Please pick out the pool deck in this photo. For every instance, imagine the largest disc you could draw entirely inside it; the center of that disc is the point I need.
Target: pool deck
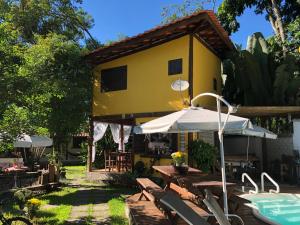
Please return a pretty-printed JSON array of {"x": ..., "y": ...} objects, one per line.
[{"x": 245, "y": 212}]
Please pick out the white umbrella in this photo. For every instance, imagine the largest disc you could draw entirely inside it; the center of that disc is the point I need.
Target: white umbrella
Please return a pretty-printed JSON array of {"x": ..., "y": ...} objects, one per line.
[
  {"x": 256, "y": 131},
  {"x": 35, "y": 141},
  {"x": 37, "y": 144},
  {"x": 196, "y": 119},
  {"x": 193, "y": 119}
]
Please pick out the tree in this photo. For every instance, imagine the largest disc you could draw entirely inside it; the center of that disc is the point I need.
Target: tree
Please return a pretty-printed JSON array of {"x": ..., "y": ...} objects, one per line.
[
  {"x": 279, "y": 13},
  {"x": 255, "y": 78},
  {"x": 43, "y": 77},
  {"x": 45, "y": 16},
  {"x": 60, "y": 85},
  {"x": 187, "y": 7}
]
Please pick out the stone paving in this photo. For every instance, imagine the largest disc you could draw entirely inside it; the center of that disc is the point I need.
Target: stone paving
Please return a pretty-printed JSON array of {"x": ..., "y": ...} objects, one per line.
[{"x": 90, "y": 205}]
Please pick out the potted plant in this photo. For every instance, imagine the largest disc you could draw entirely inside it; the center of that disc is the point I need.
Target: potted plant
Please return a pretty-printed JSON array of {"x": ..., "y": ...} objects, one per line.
[
  {"x": 179, "y": 162},
  {"x": 33, "y": 206},
  {"x": 53, "y": 166},
  {"x": 62, "y": 173}
]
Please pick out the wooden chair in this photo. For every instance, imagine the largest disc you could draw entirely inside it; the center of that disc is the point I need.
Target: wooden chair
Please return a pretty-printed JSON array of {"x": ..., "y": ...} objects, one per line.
[
  {"x": 125, "y": 161},
  {"x": 110, "y": 161}
]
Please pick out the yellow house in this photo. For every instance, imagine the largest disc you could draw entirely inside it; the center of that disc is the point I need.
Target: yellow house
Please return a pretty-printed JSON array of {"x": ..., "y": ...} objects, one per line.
[{"x": 133, "y": 77}]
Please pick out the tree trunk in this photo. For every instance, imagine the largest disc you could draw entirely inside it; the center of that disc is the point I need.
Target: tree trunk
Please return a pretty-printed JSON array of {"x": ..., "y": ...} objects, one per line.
[{"x": 278, "y": 24}]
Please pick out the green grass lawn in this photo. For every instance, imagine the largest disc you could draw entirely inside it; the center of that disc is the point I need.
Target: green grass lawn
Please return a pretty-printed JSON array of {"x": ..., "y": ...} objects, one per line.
[
  {"x": 56, "y": 206},
  {"x": 75, "y": 172}
]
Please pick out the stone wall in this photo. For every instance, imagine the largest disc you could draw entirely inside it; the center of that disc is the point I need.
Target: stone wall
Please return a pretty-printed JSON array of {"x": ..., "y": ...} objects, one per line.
[
  {"x": 207, "y": 136},
  {"x": 279, "y": 146},
  {"x": 237, "y": 145}
]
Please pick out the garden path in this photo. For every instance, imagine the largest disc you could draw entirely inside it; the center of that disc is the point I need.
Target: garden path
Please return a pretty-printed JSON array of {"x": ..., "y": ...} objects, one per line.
[{"x": 90, "y": 204}]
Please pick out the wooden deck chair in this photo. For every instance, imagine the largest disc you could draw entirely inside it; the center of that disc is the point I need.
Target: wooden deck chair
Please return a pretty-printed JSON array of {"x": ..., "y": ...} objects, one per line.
[
  {"x": 175, "y": 203},
  {"x": 216, "y": 210}
]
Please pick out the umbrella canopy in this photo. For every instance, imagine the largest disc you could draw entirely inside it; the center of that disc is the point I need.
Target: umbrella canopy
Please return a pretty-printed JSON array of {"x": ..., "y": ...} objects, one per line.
[
  {"x": 256, "y": 131},
  {"x": 193, "y": 119},
  {"x": 35, "y": 141}
]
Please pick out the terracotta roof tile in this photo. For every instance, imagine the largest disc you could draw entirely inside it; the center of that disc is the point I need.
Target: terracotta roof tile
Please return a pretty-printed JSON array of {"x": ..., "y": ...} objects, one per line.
[{"x": 133, "y": 44}]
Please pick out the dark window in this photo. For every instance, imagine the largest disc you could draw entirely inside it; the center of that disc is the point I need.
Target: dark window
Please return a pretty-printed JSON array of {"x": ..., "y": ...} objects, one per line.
[
  {"x": 215, "y": 84},
  {"x": 175, "y": 66},
  {"x": 77, "y": 141},
  {"x": 139, "y": 143},
  {"x": 114, "y": 79}
]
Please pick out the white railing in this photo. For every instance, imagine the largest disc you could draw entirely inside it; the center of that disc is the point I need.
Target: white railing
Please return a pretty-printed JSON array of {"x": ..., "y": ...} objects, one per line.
[
  {"x": 264, "y": 174},
  {"x": 251, "y": 181}
]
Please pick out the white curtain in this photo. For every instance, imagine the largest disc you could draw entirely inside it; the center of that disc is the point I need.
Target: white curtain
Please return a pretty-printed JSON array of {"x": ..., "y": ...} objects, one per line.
[
  {"x": 115, "y": 130},
  {"x": 99, "y": 131}
]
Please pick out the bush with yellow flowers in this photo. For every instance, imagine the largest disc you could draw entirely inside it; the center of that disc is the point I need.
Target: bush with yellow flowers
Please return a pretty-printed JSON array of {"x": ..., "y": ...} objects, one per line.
[
  {"x": 33, "y": 206},
  {"x": 178, "y": 158}
]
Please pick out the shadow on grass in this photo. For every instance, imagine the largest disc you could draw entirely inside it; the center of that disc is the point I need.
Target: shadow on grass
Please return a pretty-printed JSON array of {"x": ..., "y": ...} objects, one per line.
[
  {"x": 45, "y": 218},
  {"x": 119, "y": 220},
  {"x": 87, "y": 196},
  {"x": 88, "y": 220}
]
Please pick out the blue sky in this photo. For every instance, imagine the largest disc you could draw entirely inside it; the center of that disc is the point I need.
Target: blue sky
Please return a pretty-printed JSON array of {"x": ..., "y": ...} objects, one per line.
[{"x": 131, "y": 17}]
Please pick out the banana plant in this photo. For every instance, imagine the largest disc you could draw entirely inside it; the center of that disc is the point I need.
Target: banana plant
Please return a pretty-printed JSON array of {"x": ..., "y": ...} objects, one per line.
[{"x": 253, "y": 78}]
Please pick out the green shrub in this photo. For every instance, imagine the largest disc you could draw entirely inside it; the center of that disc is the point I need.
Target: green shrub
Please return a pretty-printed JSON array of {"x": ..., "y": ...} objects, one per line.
[
  {"x": 21, "y": 196},
  {"x": 203, "y": 154},
  {"x": 139, "y": 168}
]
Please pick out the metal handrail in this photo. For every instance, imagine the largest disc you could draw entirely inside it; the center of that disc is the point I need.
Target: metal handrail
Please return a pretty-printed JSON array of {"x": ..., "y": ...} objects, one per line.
[
  {"x": 272, "y": 181},
  {"x": 251, "y": 181}
]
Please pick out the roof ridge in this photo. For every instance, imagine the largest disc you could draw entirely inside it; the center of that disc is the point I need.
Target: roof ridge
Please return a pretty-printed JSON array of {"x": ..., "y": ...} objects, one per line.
[
  {"x": 155, "y": 28},
  {"x": 211, "y": 17}
]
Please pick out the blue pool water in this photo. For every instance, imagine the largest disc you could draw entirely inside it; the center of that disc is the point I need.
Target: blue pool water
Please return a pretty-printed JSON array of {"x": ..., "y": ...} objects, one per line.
[{"x": 280, "y": 208}]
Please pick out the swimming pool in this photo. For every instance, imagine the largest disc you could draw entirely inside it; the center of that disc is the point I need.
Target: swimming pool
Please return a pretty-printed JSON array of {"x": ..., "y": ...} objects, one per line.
[{"x": 283, "y": 209}]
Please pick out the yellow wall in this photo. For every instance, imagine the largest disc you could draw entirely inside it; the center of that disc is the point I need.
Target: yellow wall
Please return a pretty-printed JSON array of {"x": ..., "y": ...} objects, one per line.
[
  {"x": 148, "y": 82},
  {"x": 206, "y": 67}
]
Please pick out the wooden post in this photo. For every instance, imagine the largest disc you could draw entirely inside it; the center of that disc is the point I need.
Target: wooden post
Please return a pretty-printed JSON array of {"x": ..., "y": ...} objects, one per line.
[
  {"x": 190, "y": 140},
  {"x": 264, "y": 155},
  {"x": 122, "y": 137},
  {"x": 90, "y": 145},
  {"x": 191, "y": 67}
]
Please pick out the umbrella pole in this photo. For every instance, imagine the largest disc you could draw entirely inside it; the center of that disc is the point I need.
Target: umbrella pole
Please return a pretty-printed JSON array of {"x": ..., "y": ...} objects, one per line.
[{"x": 220, "y": 133}]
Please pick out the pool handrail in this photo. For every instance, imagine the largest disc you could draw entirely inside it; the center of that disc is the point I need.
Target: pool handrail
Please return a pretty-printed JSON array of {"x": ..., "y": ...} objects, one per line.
[
  {"x": 251, "y": 181},
  {"x": 264, "y": 174}
]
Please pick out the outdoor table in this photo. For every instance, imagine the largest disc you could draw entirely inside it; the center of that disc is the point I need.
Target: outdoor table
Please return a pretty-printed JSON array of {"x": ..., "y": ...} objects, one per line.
[
  {"x": 14, "y": 171},
  {"x": 195, "y": 181},
  {"x": 169, "y": 174}
]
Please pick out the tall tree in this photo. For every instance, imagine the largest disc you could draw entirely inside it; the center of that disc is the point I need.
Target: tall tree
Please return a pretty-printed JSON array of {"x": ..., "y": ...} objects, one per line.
[
  {"x": 45, "y": 16},
  {"x": 187, "y": 7},
  {"x": 42, "y": 75},
  {"x": 279, "y": 13}
]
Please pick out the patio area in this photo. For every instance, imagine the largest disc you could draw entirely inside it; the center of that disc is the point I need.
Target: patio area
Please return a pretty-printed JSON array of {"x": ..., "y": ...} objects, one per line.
[{"x": 148, "y": 206}]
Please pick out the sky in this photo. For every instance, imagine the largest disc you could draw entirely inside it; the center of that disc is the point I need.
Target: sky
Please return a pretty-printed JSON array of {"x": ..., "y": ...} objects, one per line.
[{"x": 114, "y": 18}]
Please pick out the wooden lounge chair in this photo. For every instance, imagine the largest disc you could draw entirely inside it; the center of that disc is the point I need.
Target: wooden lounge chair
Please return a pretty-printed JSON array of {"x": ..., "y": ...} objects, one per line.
[
  {"x": 175, "y": 203},
  {"x": 216, "y": 210}
]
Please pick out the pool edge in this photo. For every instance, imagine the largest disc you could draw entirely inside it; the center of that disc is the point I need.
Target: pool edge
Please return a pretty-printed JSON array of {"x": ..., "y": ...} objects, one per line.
[
  {"x": 263, "y": 218},
  {"x": 256, "y": 212}
]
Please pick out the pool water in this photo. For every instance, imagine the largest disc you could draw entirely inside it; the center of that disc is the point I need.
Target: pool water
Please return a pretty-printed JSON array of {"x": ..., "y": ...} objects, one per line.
[{"x": 280, "y": 208}]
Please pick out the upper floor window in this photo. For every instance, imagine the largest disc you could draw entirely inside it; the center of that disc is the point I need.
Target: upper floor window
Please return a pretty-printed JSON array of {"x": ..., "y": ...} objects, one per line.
[
  {"x": 215, "y": 84},
  {"x": 114, "y": 79},
  {"x": 175, "y": 66}
]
